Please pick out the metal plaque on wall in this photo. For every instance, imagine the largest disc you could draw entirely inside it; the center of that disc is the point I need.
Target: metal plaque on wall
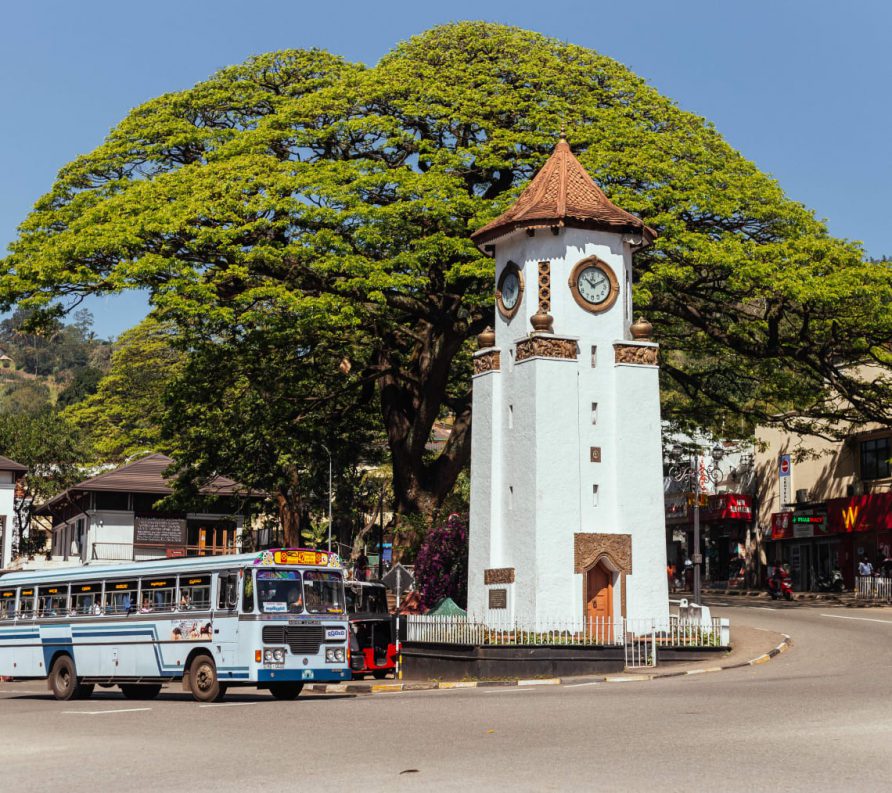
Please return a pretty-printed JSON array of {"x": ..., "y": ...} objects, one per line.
[{"x": 498, "y": 598}]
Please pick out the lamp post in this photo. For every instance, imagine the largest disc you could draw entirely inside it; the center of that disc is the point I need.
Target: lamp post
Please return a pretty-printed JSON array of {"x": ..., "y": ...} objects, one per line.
[
  {"x": 689, "y": 475},
  {"x": 329, "y": 495}
]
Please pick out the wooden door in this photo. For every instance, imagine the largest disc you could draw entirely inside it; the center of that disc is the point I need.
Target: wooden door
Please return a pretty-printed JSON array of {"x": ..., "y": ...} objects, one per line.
[{"x": 599, "y": 601}]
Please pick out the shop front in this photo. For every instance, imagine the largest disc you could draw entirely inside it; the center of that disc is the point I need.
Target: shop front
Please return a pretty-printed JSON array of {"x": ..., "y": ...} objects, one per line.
[
  {"x": 801, "y": 540},
  {"x": 725, "y": 520},
  {"x": 863, "y": 527}
]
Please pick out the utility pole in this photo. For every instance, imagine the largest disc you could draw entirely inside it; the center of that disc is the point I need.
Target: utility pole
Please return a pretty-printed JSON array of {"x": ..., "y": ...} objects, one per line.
[{"x": 381, "y": 535}]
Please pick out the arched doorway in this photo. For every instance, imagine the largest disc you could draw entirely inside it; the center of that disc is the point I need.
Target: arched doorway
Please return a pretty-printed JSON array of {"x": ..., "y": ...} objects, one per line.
[{"x": 599, "y": 601}]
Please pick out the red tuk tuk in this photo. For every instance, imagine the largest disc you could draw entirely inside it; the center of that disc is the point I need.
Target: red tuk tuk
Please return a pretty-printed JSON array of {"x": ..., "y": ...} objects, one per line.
[{"x": 372, "y": 641}]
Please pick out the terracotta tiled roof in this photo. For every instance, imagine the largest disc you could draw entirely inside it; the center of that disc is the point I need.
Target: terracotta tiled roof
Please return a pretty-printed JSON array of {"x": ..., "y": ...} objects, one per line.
[{"x": 562, "y": 194}]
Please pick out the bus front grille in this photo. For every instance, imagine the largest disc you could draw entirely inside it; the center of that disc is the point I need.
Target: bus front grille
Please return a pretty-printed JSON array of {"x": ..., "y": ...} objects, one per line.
[{"x": 302, "y": 639}]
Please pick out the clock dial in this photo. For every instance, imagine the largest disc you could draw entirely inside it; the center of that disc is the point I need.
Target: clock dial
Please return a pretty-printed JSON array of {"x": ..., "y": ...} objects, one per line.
[
  {"x": 510, "y": 290},
  {"x": 593, "y": 285}
]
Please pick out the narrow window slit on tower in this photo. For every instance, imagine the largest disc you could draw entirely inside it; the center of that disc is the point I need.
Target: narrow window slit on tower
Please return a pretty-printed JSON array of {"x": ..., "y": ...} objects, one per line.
[
  {"x": 510, "y": 497},
  {"x": 594, "y": 412},
  {"x": 594, "y": 356},
  {"x": 594, "y": 495},
  {"x": 510, "y": 417}
]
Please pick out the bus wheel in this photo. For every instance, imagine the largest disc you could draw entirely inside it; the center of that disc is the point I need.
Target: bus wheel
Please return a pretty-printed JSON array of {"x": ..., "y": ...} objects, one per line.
[
  {"x": 140, "y": 691},
  {"x": 203, "y": 680},
  {"x": 63, "y": 680},
  {"x": 380, "y": 674},
  {"x": 285, "y": 690}
]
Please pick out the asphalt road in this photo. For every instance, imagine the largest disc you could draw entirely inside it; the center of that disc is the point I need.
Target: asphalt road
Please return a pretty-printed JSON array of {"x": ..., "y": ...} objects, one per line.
[{"x": 818, "y": 717}]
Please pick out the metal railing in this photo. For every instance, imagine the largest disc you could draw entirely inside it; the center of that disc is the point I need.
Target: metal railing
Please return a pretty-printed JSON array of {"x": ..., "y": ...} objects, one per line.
[
  {"x": 593, "y": 632},
  {"x": 876, "y": 588}
]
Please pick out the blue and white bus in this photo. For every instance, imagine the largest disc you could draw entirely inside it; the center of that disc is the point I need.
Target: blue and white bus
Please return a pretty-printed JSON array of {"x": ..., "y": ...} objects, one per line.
[{"x": 275, "y": 619}]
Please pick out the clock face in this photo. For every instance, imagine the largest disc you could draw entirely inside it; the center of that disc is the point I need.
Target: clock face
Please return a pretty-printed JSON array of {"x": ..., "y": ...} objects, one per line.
[
  {"x": 593, "y": 285},
  {"x": 510, "y": 290}
]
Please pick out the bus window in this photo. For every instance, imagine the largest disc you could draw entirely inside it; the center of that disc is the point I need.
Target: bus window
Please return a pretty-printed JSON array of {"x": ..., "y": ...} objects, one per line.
[
  {"x": 7, "y": 604},
  {"x": 279, "y": 591},
  {"x": 120, "y": 597},
  {"x": 195, "y": 592},
  {"x": 52, "y": 600},
  {"x": 86, "y": 598},
  {"x": 227, "y": 591},
  {"x": 26, "y": 603},
  {"x": 158, "y": 594},
  {"x": 324, "y": 592},
  {"x": 248, "y": 592}
]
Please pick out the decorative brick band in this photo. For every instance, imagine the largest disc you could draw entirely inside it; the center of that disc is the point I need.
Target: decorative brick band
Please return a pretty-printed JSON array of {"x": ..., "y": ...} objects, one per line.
[
  {"x": 636, "y": 354},
  {"x": 546, "y": 347},
  {"x": 499, "y": 575},
  {"x": 489, "y": 361}
]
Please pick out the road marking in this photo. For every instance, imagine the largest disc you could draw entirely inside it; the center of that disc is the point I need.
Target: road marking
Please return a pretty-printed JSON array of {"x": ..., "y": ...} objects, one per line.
[
  {"x": 765, "y": 608},
  {"x": 100, "y": 712},
  {"x": 861, "y": 619},
  {"x": 508, "y": 690},
  {"x": 577, "y": 685},
  {"x": 227, "y": 704}
]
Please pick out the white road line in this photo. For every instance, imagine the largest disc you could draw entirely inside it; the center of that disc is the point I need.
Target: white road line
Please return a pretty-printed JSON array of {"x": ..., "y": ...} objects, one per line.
[
  {"x": 577, "y": 685},
  {"x": 100, "y": 712},
  {"x": 764, "y": 608},
  {"x": 227, "y": 704},
  {"x": 861, "y": 619},
  {"x": 508, "y": 690}
]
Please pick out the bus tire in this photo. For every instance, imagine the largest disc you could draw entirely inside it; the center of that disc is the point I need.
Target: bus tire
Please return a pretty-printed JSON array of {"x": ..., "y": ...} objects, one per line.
[
  {"x": 380, "y": 674},
  {"x": 63, "y": 679},
  {"x": 140, "y": 690},
  {"x": 286, "y": 690},
  {"x": 203, "y": 681}
]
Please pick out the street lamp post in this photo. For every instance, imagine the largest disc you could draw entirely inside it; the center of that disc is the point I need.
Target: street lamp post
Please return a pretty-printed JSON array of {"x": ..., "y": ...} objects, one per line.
[
  {"x": 329, "y": 496},
  {"x": 690, "y": 475}
]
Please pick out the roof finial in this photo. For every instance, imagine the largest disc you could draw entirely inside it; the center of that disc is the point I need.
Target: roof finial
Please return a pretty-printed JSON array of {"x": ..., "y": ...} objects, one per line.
[{"x": 563, "y": 131}]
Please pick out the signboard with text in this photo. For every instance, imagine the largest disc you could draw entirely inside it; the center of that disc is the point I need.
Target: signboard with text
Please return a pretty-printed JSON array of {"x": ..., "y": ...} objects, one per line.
[{"x": 159, "y": 531}]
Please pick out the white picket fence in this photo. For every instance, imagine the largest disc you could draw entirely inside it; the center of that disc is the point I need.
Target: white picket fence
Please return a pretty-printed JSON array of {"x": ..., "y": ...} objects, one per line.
[
  {"x": 875, "y": 588},
  {"x": 546, "y": 632}
]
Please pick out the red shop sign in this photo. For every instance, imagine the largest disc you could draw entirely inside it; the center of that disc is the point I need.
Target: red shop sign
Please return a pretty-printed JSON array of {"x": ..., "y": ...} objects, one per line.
[
  {"x": 872, "y": 512},
  {"x": 781, "y": 525}
]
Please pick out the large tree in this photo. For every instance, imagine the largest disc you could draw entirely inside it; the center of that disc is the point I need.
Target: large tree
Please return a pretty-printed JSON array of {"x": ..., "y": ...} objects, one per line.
[{"x": 299, "y": 184}]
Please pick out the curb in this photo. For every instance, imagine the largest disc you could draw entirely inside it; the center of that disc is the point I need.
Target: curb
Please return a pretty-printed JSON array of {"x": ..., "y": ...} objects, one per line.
[{"x": 396, "y": 687}]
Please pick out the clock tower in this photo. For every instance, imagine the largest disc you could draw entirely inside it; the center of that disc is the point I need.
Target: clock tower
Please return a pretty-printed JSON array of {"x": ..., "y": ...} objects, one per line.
[{"x": 567, "y": 516}]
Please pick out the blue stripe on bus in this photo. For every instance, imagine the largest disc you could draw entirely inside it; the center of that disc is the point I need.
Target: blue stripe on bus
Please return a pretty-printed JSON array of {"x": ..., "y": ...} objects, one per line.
[{"x": 301, "y": 675}]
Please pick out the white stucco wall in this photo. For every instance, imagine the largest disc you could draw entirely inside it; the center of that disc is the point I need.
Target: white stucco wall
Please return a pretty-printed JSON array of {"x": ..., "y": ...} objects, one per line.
[
  {"x": 7, "y": 497},
  {"x": 532, "y": 483}
]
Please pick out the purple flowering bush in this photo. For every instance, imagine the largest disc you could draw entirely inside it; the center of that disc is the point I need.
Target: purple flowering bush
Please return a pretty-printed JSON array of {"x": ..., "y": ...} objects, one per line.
[{"x": 441, "y": 567}]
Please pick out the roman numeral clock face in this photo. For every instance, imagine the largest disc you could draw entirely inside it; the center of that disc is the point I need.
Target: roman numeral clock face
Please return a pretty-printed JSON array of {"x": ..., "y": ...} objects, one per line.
[{"x": 594, "y": 285}]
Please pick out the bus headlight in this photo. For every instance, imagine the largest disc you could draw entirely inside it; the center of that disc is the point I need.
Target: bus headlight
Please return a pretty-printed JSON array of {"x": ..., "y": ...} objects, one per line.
[
  {"x": 335, "y": 655},
  {"x": 274, "y": 655},
  {"x": 279, "y": 654}
]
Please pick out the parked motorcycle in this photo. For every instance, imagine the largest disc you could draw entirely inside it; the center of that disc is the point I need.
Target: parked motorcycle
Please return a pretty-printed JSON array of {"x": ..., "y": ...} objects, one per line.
[
  {"x": 780, "y": 586},
  {"x": 832, "y": 583}
]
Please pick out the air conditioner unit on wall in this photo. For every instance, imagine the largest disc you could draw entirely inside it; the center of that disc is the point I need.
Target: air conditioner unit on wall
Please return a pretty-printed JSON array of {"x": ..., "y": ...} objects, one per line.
[{"x": 802, "y": 496}]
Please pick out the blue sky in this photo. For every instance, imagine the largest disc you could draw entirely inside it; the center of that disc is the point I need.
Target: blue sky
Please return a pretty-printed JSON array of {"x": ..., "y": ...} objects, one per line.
[{"x": 801, "y": 88}]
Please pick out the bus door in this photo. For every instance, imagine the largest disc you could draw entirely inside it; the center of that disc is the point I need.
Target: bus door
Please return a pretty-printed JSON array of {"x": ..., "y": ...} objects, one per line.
[{"x": 225, "y": 623}]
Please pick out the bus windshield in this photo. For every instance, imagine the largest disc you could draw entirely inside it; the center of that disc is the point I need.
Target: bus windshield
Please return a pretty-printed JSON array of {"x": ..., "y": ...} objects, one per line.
[
  {"x": 324, "y": 592},
  {"x": 278, "y": 591}
]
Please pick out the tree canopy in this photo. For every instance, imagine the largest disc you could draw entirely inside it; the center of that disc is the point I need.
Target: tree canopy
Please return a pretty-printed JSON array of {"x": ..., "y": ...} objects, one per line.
[{"x": 300, "y": 190}]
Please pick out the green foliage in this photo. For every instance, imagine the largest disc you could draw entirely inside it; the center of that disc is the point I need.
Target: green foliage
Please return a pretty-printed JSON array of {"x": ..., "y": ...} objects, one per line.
[
  {"x": 54, "y": 452},
  {"x": 125, "y": 415},
  {"x": 299, "y": 188}
]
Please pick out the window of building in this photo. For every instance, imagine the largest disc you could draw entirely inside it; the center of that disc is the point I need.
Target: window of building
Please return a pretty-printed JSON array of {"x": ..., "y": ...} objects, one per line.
[
  {"x": 52, "y": 600},
  {"x": 594, "y": 356},
  {"x": 594, "y": 495},
  {"x": 510, "y": 497},
  {"x": 195, "y": 592},
  {"x": 158, "y": 594},
  {"x": 594, "y": 413},
  {"x": 86, "y": 598},
  {"x": 875, "y": 455},
  {"x": 510, "y": 417},
  {"x": 119, "y": 501}
]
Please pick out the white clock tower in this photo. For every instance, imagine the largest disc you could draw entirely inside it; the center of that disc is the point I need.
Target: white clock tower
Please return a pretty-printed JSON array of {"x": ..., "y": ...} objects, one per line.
[{"x": 567, "y": 516}]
